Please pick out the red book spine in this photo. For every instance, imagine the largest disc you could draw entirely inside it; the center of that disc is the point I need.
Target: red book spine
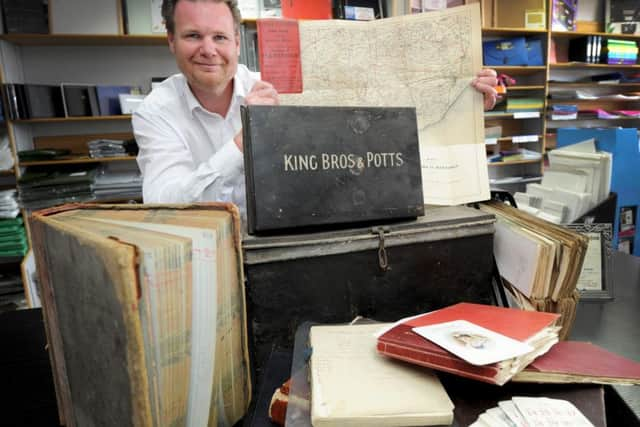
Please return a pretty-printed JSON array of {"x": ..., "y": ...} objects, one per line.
[{"x": 397, "y": 343}]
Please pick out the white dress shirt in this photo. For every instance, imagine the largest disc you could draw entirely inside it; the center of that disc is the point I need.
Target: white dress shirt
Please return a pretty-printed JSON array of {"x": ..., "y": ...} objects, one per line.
[{"x": 187, "y": 153}]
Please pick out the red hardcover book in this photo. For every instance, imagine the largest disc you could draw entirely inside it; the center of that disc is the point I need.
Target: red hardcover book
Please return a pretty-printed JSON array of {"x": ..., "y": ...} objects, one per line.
[
  {"x": 581, "y": 362},
  {"x": 279, "y": 54},
  {"x": 306, "y": 9},
  {"x": 535, "y": 328}
]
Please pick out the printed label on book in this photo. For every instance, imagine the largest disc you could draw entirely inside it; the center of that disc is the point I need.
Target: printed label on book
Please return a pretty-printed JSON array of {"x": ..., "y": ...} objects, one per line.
[{"x": 279, "y": 54}]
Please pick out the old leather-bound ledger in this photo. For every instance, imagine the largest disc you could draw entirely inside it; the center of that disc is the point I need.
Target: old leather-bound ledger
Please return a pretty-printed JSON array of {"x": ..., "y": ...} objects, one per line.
[{"x": 145, "y": 314}]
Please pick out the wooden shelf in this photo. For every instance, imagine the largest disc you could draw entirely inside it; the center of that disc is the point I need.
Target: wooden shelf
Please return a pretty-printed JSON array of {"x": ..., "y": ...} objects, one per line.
[
  {"x": 84, "y": 40},
  {"x": 565, "y": 65},
  {"x": 517, "y": 70},
  {"x": 503, "y": 115},
  {"x": 77, "y": 160},
  {"x": 576, "y": 34},
  {"x": 591, "y": 84},
  {"x": 74, "y": 119},
  {"x": 510, "y": 139},
  {"x": 524, "y": 87},
  {"x": 583, "y": 119},
  {"x": 505, "y": 31},
  {"x": 514, "y": 162},
  {"x": 6, "y": 172},
  {"x": 552, "y": 101}
]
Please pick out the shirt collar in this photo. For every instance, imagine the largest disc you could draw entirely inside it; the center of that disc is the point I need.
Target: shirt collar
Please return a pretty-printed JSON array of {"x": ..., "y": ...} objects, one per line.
[{"x": 239, "y": 93}]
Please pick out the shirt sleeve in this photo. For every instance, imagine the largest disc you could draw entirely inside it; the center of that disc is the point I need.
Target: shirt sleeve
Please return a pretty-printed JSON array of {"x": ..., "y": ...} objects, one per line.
[{"x": 169, "y": 172}]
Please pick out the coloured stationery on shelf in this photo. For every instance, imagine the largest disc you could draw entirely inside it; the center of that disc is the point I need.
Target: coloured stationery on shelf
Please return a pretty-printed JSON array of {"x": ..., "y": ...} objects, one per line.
[
  {"x": 581, "y": 362},
  {"x": 335, "y": 73},
  {"x": 536, "y": 329},
  {"x": 515, "y": 104},
  {"x": 353, "y": 385}
]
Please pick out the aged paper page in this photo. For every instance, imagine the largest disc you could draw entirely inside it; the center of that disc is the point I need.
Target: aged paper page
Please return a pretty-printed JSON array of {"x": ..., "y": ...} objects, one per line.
[{"x": 425, "y": 61}]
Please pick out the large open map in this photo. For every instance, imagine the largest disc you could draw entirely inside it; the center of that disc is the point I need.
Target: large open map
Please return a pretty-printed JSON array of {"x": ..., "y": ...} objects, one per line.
[{"x": 427, "y": 61}]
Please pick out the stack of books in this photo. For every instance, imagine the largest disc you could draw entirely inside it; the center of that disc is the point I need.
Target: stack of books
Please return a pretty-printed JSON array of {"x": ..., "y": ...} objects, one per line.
[{"x": 381, "y": 374}]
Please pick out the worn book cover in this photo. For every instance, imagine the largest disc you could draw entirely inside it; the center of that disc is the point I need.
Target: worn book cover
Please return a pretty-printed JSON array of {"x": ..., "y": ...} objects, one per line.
[
  {"x": 308, "y": 166},
  {"x": 353, "y": 385},
  {"x": 279, "y": 54},
  {"x": 152, "y": 295},
  {"x": 534, "y": 328},
  {"x": 581, "y": 362}
]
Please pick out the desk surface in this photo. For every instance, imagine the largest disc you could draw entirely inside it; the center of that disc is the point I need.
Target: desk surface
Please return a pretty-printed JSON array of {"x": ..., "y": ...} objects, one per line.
[{"x": 615, "y": 325}]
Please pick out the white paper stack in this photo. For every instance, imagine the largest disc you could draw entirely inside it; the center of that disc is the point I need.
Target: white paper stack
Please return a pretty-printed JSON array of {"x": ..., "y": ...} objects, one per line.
[
  {"x": 532, "y": 411},
  {"x": 578, "y": 178}
]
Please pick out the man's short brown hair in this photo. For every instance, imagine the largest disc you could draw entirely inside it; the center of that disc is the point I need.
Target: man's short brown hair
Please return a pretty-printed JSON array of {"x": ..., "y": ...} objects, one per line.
[{"x": 169, "y": 7}]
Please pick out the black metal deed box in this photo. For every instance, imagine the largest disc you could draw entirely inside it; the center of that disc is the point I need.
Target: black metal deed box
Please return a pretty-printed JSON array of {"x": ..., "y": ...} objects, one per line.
[
  {"x": 308, "y": 166},
  {"x": 382, "y": 272}
]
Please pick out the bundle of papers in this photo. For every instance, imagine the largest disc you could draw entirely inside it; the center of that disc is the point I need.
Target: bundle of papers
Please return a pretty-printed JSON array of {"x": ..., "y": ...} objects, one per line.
[
  {"x": 532, "y": 411},
  {"x": 539, "y": 259},
  {"x": 100, "y": 148},
  {"x": 8, "y": 205},
  {"x": 118, "y": 180},
  {"x": 6, "y": 158},
  {"x": 578, "y": 178},
  {"x": 41, "y": 187}
]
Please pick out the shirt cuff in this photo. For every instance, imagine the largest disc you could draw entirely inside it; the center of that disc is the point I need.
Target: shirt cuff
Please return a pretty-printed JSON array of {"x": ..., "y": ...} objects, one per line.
[{"x": 228, "y": 161}]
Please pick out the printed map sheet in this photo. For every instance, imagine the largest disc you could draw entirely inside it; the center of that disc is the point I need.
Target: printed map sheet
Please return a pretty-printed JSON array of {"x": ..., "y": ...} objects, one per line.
[{"x": 427, "y": 61}]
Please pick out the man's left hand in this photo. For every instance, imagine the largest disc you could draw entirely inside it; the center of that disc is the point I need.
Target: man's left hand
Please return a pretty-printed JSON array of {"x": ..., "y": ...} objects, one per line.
[
  {"x": 262, "y": 93},
  {"x": 485, "y": 82}
]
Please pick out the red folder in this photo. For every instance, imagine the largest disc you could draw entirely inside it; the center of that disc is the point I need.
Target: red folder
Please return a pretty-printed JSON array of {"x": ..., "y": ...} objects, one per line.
[
  {"x": 402, "y": 343},
  {"x": 306, "y": 9},
  {"x": 581, "y": 362}
]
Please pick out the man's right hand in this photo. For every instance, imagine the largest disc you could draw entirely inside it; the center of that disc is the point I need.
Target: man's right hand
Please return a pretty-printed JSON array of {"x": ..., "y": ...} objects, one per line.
[{"x": 262, "y": 93}]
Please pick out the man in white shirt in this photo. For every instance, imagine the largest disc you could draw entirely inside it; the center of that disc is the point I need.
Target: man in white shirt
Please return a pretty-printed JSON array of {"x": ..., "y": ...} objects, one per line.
[{"x": 189, "y": 128}]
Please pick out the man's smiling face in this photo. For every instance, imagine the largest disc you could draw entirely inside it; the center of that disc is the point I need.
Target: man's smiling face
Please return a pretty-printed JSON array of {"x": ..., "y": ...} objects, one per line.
[{"x": 206, "y": 44}]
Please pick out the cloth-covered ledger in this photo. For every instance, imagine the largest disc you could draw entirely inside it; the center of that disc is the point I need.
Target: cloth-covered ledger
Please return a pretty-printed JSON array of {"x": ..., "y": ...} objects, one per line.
[
  {"x": 534, "y": 328},
  {"x": 581, "y": 362},
  {"x": 352, "y": 385},
  {"x": 144, "y": 312}
]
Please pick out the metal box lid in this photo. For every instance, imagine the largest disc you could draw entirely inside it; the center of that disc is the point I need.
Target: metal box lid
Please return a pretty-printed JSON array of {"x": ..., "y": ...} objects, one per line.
[{"x": 438, "y": 223}]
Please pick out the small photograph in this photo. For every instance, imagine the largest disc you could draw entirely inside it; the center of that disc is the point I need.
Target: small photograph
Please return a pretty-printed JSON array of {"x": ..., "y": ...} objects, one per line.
[{"x": 473, "y": 343}]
